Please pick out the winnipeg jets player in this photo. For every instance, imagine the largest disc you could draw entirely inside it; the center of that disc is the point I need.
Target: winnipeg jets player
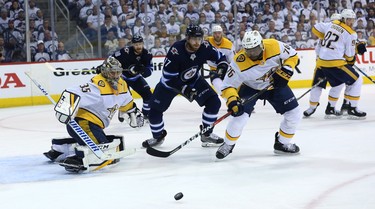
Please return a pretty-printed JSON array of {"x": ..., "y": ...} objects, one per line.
[{"x": 181, "y": 76}]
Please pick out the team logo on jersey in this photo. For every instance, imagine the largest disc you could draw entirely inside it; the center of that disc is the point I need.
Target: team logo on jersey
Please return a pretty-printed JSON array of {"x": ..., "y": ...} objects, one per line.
[
  {"x": 126, "y": 50},
  {"x": 189, "y": 73},
  {"x": 101, "y": 83},
  {"x": 112, "y": 111},
  {"x": 138, "y": 58},
  {"x": 240, "y": 58},
  {"x": 206, "y": 44},
  {"x": 268, "y": 75},
  {"x": 193, "y": 56},
  {"x": 174, "y": 51}
]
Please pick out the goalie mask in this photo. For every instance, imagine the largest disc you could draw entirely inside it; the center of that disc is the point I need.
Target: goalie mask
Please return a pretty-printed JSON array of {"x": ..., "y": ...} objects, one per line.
[{"x": 111, "y": 70}]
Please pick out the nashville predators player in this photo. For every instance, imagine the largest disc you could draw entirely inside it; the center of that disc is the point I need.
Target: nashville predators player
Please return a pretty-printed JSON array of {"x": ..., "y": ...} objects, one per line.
[
  {"x": 260, "y": 63},
  {"x": 224, "y": 46},
  {"x": 92, "y": 105}
]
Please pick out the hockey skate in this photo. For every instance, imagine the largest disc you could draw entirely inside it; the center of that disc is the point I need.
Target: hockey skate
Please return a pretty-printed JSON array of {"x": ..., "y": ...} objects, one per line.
[
  {"x": 355, "y": 114},
  {"x": 310, "y": 111},
  {"x": 280, "y": 148},
  {"x": 210, "y": 139},
  {"x": 331, "y": 113},
  {"x": 224, "y": 150},
  {"x": 344, "y": 108},
  {"x": 52, "y": 154},
  {"x": 155, "y": 142},
  {"x": 73, "y": 164}
]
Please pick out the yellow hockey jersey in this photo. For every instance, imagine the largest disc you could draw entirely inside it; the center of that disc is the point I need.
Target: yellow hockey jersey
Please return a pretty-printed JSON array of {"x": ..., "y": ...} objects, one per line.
[
  {"x": 338, "y": 43},
  {"x": 226, "y": 47},
  {"x": 99, "y": 101},
  {"x": 255, "y": 74}
]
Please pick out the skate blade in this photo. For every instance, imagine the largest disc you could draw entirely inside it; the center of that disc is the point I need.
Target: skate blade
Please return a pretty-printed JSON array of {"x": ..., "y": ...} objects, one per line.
[
  {"x": 278, "y": 152},
  {"x": 210, "y": 144},
  {"x": 352, "y": 117},
  {"x": 330, "y": 117}
]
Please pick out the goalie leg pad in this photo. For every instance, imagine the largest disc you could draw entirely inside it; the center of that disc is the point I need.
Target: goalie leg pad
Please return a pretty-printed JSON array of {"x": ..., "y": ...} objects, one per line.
[{"x": 60, "y": 149}]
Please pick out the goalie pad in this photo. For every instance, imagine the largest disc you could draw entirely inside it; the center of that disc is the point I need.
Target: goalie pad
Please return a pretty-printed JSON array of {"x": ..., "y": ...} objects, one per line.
[
  {"x": 133, "y": 116},
  {"x": 67, "y": 106}
]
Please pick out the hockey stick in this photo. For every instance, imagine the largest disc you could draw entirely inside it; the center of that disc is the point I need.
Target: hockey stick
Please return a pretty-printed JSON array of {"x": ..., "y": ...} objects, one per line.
[
  {"x": 320, "y": 80},
  {"x": 363, "y": 73},
  {"x": 82, "y": 134},
  {"x": 158, "y": 153}
]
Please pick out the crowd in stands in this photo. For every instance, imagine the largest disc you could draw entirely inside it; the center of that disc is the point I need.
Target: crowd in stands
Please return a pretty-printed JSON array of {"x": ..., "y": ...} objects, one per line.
[{"x": 162, "y": 22}]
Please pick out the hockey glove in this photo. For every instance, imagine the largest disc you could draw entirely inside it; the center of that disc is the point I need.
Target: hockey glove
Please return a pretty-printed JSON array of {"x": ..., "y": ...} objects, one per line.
[
  {"x": 189, "y": 93},
  {"x": 67, "y": 106},
  {"x": 235, "y": 106},
  {"x": 282, "y": 76},
  {"x": 137, "y": 69},
  {"x": 133, "y": 116},
  {"x": 222, "y": 69},
  {"x": 361, "y": 48},
  {"x": 97, "y": 69}
]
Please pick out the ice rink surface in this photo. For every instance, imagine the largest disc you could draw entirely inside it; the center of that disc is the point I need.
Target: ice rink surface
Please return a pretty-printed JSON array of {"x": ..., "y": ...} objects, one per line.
[{"x": 335, "y": 170}]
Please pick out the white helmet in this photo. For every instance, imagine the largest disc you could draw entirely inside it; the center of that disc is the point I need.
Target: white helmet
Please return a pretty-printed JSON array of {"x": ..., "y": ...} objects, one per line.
[
  {"x": 335, "y": 16},
  {"x": 217, "y": 28},
  {"x": 348, "y": 13},
  {"x": 251, "y": 39}
]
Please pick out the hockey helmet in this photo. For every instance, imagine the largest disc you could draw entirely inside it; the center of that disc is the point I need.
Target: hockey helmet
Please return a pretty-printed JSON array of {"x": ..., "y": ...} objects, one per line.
[
  {"x": 335, "y": 16},
  {"x": 217, "y": 28},
  {"x": 194, "y": 31},
  {"x": 252, "y": 39},
  {"x": 111, "y": 70},
  {"x": 348, "y": 13},
  {"x": 137, "y": 38}
]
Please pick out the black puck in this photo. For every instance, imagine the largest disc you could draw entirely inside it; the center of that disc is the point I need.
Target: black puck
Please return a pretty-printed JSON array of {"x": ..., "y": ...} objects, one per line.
[{"x": 178, "y": 196}]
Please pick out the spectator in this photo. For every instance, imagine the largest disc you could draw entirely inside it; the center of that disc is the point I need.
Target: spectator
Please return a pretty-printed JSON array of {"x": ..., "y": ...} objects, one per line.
[
  {"x": 108, "y": 12},
  {"x": 178, "y": 15},
  {"x": 32, "y": 9},
  {"x": 106, "y": 27},
  {"x": 50, "y": 43},
  {"x": 41, "y": 54},
  {"x": 289, "y": 9},
  {"x": 209, "y": 14},
  {"x": 84, "y": 12},
  {"x": 111, "y": 43},
  {"x": 149, "y": 39},
  {"x": 202, "y": 22},
  {"x": 152, "y": 6},
  {"x": 148, "y": 18},
  {"x": 126, "y": 15},
  {"x": 2, "y": 49},
  {"x": 272, "y": 31},
  {"x": 138, "y": 27},
  {"x": 191, "y": 13},
  {"x": 121, "y": 43},
  {"x": 162, "y": 14},
  {"x": 14, "y": 9},
  {"x": 121, "y": 28},
  {"x": 172, "y": 27},
  {"x": 171, "y": 41},
  {"x": 156, "y": 26},
  {"x": 158, "y": 49},
  {"x": 4, "y": 19},
  {"x": 20, "y": 22},
  {"x": 61, "y": 53}
]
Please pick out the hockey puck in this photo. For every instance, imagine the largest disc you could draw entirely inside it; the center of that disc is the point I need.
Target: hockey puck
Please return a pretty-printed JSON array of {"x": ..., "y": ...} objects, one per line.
[{"x": 178, "y": 196}]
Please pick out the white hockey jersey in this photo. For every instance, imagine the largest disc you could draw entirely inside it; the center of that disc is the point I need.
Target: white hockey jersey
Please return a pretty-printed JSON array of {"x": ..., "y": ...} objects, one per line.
[
  {"x": 226, "y": 47},
  {"x": 99, "y": 101},
  {"x": 255, "y": 74},
  {"x": 337, "y": 46}
]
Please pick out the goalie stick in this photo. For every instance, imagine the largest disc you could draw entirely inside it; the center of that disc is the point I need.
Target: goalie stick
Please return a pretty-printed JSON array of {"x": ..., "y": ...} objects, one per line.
[
  {"x": 363, "y": 73},
  {"x": 82, "y": 134},
  {"x": 158, "y": 153},
  {"x": 320, "y": 80}
]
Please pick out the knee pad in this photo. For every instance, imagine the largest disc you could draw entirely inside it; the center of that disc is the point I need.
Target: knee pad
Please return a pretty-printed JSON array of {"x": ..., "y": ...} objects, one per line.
[{"x": 291, "y": 119}]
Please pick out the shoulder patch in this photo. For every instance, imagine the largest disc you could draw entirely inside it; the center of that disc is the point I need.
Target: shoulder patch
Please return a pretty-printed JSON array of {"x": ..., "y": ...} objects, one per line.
[
  {"x": 174, "y": 50},
  {"x": 206, "y": 44},
  {"x": 126, "y": 50},
  {"x": 240, "y": 58},
  {"x": 101, "y": 83}
]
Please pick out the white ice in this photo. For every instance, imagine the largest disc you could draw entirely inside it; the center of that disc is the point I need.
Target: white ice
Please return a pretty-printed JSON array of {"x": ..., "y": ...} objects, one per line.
[{"x": 335, "y": 170}]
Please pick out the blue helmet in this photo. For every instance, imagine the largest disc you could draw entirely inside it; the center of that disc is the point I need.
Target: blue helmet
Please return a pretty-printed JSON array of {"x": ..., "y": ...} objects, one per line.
[{"x": 137, "y": 38}]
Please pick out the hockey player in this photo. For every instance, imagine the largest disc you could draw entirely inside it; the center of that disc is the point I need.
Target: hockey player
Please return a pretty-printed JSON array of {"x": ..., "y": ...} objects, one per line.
[
  {"x": 334, "y": 92},
  {"x": 92, "y": 105},
  {"x": 226, "y": 47},
  {"x": 181, "y": 76},
  {"x": 137, "y": 64},
  {"x": 336, "y": 58},
  {"x": 258, "y": 64}
]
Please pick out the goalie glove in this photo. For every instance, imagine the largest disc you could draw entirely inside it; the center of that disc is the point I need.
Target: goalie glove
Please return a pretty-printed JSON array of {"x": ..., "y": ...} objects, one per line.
[
  {"x": 67, "y": 106},
  {"x": 133, "y": 116},
  {"x": 282, "y": 76}
]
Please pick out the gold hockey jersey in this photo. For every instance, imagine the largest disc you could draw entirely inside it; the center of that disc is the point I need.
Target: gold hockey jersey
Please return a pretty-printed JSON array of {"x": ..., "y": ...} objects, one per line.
[
  {"x": 226, "y": 47},
  {"x": 255, "y": 74},
  {"x": 99, "y": 101},
  {"x": 337, "y": 46}
]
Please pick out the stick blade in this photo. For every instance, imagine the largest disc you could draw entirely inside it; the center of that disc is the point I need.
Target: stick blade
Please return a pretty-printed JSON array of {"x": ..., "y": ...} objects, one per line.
[{"x": 157, "y": 153}]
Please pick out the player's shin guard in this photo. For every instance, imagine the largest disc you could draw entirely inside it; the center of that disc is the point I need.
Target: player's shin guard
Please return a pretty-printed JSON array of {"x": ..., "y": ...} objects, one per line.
[{"x": 85, "y": 160}]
